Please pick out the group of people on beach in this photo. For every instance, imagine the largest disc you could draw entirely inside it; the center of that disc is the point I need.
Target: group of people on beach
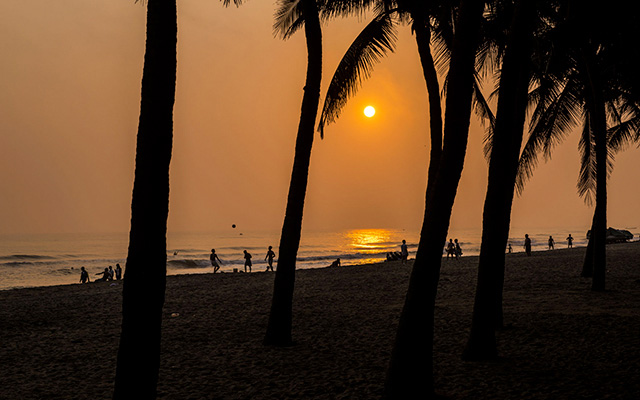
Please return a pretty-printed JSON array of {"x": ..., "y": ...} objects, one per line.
[
  {"x": 216, "y": 261},
  {"x": 551, "y": 243},
  {"x": 453, "y": 249},
  {"x": 109, "y": 274},
  {"x": 401, "y": 255}
]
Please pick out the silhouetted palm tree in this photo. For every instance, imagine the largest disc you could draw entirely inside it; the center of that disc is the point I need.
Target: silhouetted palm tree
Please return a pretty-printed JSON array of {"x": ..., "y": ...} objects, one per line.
[
  {"x": 506, "y": 140},
  {"x": 410, "y": 373},
  {"x": 291, "y": 15},
  {"x": 580, "y": 85},
  {"x": 375, "y": 40},
  {"x": 145, "y": 275}
]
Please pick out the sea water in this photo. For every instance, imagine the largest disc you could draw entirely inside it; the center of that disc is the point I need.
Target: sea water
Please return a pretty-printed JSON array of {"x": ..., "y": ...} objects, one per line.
[{"x": 55, "y": 259}]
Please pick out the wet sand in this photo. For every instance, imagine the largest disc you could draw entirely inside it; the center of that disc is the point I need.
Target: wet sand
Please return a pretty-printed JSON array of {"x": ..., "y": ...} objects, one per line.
[{"x": 565, "y": 342}]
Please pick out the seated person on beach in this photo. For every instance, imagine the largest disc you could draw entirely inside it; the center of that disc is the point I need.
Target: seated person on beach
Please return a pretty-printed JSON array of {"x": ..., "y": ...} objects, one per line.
[
  {"x": 84, "y": 275},
  {"x": 336, "y": 263},
  {"x": 105, "y": 275}
]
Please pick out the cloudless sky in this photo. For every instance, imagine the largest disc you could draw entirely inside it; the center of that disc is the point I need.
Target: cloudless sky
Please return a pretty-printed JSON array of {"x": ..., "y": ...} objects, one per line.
[{"x": 69, "y": 102}]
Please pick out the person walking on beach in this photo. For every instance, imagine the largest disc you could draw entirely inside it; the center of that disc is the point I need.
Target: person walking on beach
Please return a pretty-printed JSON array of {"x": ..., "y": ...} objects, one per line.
[
  {"x": 404, "y": 252},
  {"x": 118, "y": 272},
  {"x": 527, "y": 244},
  {"x": 214, "y": 260},
  {"x": 269, "y": 257},
  {"x": 551, "y": 242},
  {"x": 457, "y": 249},
  {"x": 84, "y": 276},
  {"x": 451, "y": 248},
  {"x": 247, "y": 261},
  {"x": 569, "y": 242},
  {"x": 509, "y": 248}
]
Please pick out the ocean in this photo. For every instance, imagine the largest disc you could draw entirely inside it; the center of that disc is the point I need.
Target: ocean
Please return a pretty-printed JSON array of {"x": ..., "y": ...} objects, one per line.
[{"x": 55, "y": 259}]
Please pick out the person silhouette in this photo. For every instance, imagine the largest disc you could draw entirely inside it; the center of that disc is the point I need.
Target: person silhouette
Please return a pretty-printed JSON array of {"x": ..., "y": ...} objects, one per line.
[
  {"x": 569, "y": 242},
  {"x": 551, "y": 242},
  {"x": 451, "y": 248},
  {"x": 118, "y": 272},
  {"x": 336, "y": 263},
  {"x": 509, "y": 248},
  {"x": 457, "y": 250},
  {"x": 105, "y": 275},
  {"x": 247, "y": 261},
  {"x": 269, "y": 257},
  {"x": 214, "y": 260},
  {"x": 111, "y": 273},
  {"x": 527, "y": 244},
  {"x": 84, "y": 275},
  {"x": 404, "y": 252}
]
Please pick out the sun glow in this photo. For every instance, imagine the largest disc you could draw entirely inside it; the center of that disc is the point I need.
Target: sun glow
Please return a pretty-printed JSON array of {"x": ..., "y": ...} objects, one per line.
[{"x": 369, "y": 111}]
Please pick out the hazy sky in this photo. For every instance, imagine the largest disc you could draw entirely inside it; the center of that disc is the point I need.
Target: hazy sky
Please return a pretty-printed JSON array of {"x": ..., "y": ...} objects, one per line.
[{"x": 69, "y": 101}]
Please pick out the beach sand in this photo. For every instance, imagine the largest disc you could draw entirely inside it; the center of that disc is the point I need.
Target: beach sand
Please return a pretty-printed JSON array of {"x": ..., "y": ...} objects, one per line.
[{"x": 566, "y": 342}]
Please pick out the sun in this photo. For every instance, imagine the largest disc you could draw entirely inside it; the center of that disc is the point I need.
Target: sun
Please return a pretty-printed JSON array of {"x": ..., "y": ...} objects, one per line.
[{"x": 369, "y": 111}]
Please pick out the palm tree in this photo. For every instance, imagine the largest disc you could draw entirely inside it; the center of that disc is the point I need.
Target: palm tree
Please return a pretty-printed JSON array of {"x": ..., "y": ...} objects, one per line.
[
  {"x": 581, "y": 85},
  {"x": 430, "y": 21},
  {"x": 145, "y": 276},
  {"x": 291, "y": 15},
  {"x": 410, "y": 373},
  {"x": 506, "y": 140}
]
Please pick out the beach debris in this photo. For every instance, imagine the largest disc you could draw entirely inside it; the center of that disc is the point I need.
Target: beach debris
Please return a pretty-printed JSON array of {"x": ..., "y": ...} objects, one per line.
[{"x": 175, "y": 314}]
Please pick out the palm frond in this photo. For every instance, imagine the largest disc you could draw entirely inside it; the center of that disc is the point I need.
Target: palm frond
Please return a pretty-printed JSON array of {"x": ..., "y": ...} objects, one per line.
[
  {"x": 347, "y": 8},
  {"x": 288, "y": 18},
  {"x": 356, "y": 65},
  {"x": 557, "y": 112},
  {"x": 237, "y": 3},
  {"x": 586, "y": 184}
]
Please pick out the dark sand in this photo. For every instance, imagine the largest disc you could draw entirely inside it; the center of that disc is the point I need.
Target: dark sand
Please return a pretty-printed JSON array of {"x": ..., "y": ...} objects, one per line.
[{"x": 566, "y": 341}]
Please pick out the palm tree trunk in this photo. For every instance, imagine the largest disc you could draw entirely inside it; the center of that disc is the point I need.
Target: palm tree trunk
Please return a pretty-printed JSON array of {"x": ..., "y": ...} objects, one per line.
[
  {"x": 587, "y": 265},
  {"x": 423, "y": 38},
  {"x": 281, "y": 315},
  {"x": 599, "y": 126},
  {"x": 145, "y": 275},
  {"x": 410, "y": 373},
  {"x": 503, "y": 167}
]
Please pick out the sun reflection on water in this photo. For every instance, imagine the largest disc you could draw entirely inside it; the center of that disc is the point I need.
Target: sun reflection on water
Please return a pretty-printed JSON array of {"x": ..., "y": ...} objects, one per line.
[{"x": 369, "y": 240}]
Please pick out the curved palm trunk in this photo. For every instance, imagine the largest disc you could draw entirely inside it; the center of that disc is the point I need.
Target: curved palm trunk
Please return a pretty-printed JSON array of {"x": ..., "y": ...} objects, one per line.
[
  {"x": 145, "y": 275},
  {"x": 503, "y": 168},
  {"x": 410, "y": 373},
  {"x": 587, "y": 265},
  {"x": 423, "y": 38},
  {"x": 599, "y": 127},
  {"x": 280, "y": 318}
]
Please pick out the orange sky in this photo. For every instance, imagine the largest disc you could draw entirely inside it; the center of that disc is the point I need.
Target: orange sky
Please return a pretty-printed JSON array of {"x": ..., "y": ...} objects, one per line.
[{"x": 69, "y": 101}]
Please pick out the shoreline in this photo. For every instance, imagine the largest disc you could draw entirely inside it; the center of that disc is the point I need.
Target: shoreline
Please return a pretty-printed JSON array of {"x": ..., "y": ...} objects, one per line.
[{"x": 565, "y": 341}]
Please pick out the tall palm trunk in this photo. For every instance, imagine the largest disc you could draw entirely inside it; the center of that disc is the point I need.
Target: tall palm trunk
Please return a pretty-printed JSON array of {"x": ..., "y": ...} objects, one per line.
[
  {"x": 410, "y": 373},
  {"x": 503, "y": 167},
  {"x": 599, "y": 128},
  {"x": 423, "y": 38},
  {"x": 587, "y": 265},
  {"x": 281, "y": 315},
  {"x": 145, "y": 274}
]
